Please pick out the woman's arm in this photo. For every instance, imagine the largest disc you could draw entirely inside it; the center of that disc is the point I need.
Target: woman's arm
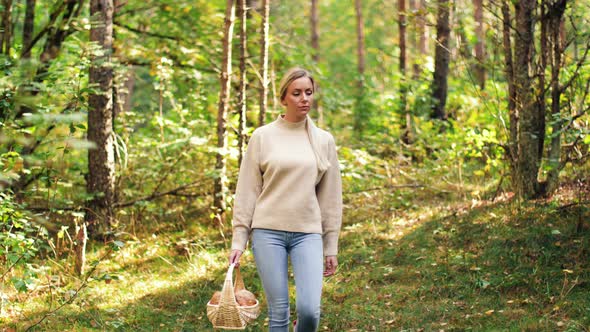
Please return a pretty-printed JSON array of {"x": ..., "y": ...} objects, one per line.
[
  {"x": 247, "y": 191},
  {"x": 329, "y": 193}
]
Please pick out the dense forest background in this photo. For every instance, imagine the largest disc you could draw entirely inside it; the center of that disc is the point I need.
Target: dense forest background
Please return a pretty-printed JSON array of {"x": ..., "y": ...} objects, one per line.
[{"x": 462, "y": 131}]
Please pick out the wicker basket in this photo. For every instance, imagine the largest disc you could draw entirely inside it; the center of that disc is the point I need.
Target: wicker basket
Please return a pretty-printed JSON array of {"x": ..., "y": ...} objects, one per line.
[{"x": 228, "y": 314}]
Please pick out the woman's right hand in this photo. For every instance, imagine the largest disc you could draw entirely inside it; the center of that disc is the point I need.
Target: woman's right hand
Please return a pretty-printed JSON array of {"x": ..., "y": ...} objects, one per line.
[{"x": 234, "y": 257}]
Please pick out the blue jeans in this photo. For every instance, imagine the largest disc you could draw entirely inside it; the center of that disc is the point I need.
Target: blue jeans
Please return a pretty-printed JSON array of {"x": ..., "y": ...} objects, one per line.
[{"x": 271, "y": 249}]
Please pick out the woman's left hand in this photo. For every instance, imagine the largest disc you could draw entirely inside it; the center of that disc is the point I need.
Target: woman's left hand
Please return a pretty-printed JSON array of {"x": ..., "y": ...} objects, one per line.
[{"x": 330, "y": 265}]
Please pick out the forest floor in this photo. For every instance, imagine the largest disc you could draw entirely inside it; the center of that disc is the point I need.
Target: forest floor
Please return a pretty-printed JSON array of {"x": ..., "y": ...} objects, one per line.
[{"x": 433, "y": 265}]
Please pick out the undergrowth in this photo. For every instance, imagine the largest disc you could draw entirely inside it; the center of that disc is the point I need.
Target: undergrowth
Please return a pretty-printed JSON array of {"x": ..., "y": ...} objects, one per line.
[{"x": 412, "y": 259}]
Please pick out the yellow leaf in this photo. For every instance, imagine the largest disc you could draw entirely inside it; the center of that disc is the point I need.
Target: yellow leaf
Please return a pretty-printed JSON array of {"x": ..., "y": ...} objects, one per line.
[{"x": 489, "y": 312}]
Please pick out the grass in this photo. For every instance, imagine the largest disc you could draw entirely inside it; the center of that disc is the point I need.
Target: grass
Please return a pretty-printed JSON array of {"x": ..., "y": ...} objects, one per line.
[{"x": 428, "y": 266}]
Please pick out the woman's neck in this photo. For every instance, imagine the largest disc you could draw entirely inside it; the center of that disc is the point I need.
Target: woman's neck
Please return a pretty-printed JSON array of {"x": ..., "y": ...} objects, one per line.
[{"x": 293, "y": 118}]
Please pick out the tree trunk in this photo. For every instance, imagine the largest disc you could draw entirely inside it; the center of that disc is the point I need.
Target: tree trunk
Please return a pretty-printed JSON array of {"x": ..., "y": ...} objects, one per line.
[
  {"x": 402, "y": 36},
  {"x": 315, "y": 45},
  {"x": 360, "y": 45},
  {"x": 441, "y": 61},
  {"x": 80, "y": 249},
  {"x": 28, "y": 29},
  {"x": 509, "y": 71},
  {"x": 101, "y": 158},
  {"x": 242, "y": 107},
  {"x": 528, "y": 158},
  {"x": 480, "y": 57},
  {"x": 360, "y": 114},
  {"x": 220, "y": 189},
  {"x": 6, "y": 36},
  {"x": 315, "y": 34},
  {"x": 414, "y": 7},
  {"x": 264, "y": 61},
  {"x": 556, "y": 36},
  {"x": 406, "y": 123},
  {"x": 422, "y": 27}
]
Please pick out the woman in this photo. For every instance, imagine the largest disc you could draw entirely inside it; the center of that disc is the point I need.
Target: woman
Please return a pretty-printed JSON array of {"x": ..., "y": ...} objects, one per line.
[{"x": 289, "y": 198}]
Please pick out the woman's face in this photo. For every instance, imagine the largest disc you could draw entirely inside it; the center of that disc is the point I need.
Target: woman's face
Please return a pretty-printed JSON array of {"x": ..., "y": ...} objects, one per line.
[{"x": 298, "y": 99}]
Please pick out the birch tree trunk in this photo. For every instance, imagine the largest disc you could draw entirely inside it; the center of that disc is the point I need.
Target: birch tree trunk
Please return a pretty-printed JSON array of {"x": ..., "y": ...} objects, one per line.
[
  {"x": 220, "y": 187},
  {"x": 101, "y": 158},
  {"x": 242, "y": 107},
  {"x": 264, "y": 61}
]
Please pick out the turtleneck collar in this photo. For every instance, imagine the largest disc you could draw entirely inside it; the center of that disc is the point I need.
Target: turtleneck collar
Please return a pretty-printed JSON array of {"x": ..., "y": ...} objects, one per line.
[{"x": 291, "y": 125}]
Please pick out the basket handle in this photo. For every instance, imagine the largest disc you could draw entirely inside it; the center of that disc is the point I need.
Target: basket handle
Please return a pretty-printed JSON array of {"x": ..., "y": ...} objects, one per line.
[{"x": 227, "y": 292}]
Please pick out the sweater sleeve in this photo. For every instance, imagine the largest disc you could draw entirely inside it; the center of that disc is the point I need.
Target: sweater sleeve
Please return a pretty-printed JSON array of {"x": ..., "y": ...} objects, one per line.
[
  {"x": 248, "y": 189},
  {"x": 329, "y": 193}
]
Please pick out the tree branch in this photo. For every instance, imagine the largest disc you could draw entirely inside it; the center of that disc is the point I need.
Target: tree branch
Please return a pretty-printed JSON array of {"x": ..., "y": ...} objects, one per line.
[
  {"x": 148, "y": 33},
  {"x": 175, "y": 192},
  {"x": 385, "y": 187}
]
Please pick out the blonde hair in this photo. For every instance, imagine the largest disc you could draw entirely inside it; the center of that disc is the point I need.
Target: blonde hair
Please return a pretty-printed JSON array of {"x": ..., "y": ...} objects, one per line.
[{"x": 313, "y": 132}]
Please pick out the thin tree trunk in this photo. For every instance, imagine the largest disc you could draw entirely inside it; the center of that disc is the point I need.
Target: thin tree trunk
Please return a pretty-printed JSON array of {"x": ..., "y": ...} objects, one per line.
[
  {"x": 80, "y": 249},
  {"x": 6, "y": 36},
  {"x": 360, "y": 114},
  {"x": 441, "y": 61},
  {"x": 101, "y": 158},
  {"x": 528, "y": 158},
  {"x": 315, "y": 34},
  {"x": 556, "y": 28},
  {"x": 315, "y": 45},
  {"x": 541, "y": 95},
  {"x": 480, "y": 57},
  {"x": 28, "y": 29},
  {"x": 402, "y": 36},
  {"x": 242, "y": 107},
  {"x": 360, "y": 48},
  {"x": 220, "y": 188},
  {"x": 407, "y": 128},
  {"x": 264, "y": 61},
  {"x": 509, "y": 70},
  {"x": 414, "y": 7},
  {"x": 422, "y": 27}
]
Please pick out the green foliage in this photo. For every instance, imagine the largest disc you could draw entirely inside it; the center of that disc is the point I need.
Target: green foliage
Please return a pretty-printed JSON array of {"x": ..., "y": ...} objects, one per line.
[{"x": 21, "y": 239}]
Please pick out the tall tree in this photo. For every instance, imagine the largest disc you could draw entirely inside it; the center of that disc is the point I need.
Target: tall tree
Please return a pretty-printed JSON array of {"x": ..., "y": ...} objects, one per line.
[
  {"x": 421, "y": 27},
  {"x": 402, "y": 21},
  {"x": 6, "y": 26},
  {"x": 527, "y": 151},
  {"x": 242, "y": 107},
  {"x": 315, "y": 33},
  {"x": 527, "y": 106},
  {"x": 441, "y": 61},
  {"x": 479, "y": 68},
  {"x": 315, "y": 45},
  {"x": 264, "y": 61},
  {"x": 414, "y": 6},
  {"x": 101, "y": 158},
  {"x": 360, "y": 45},
  {"x": 28, "y": 29},
  {"x": 220, "y": 187},
  {"x": 556, "y": 37},
  {"x": 359, "y": 112}
]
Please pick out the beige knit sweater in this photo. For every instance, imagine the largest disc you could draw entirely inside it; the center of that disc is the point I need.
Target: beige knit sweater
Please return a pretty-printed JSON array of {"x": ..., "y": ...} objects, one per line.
[{"x": 280, "y": 187}]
